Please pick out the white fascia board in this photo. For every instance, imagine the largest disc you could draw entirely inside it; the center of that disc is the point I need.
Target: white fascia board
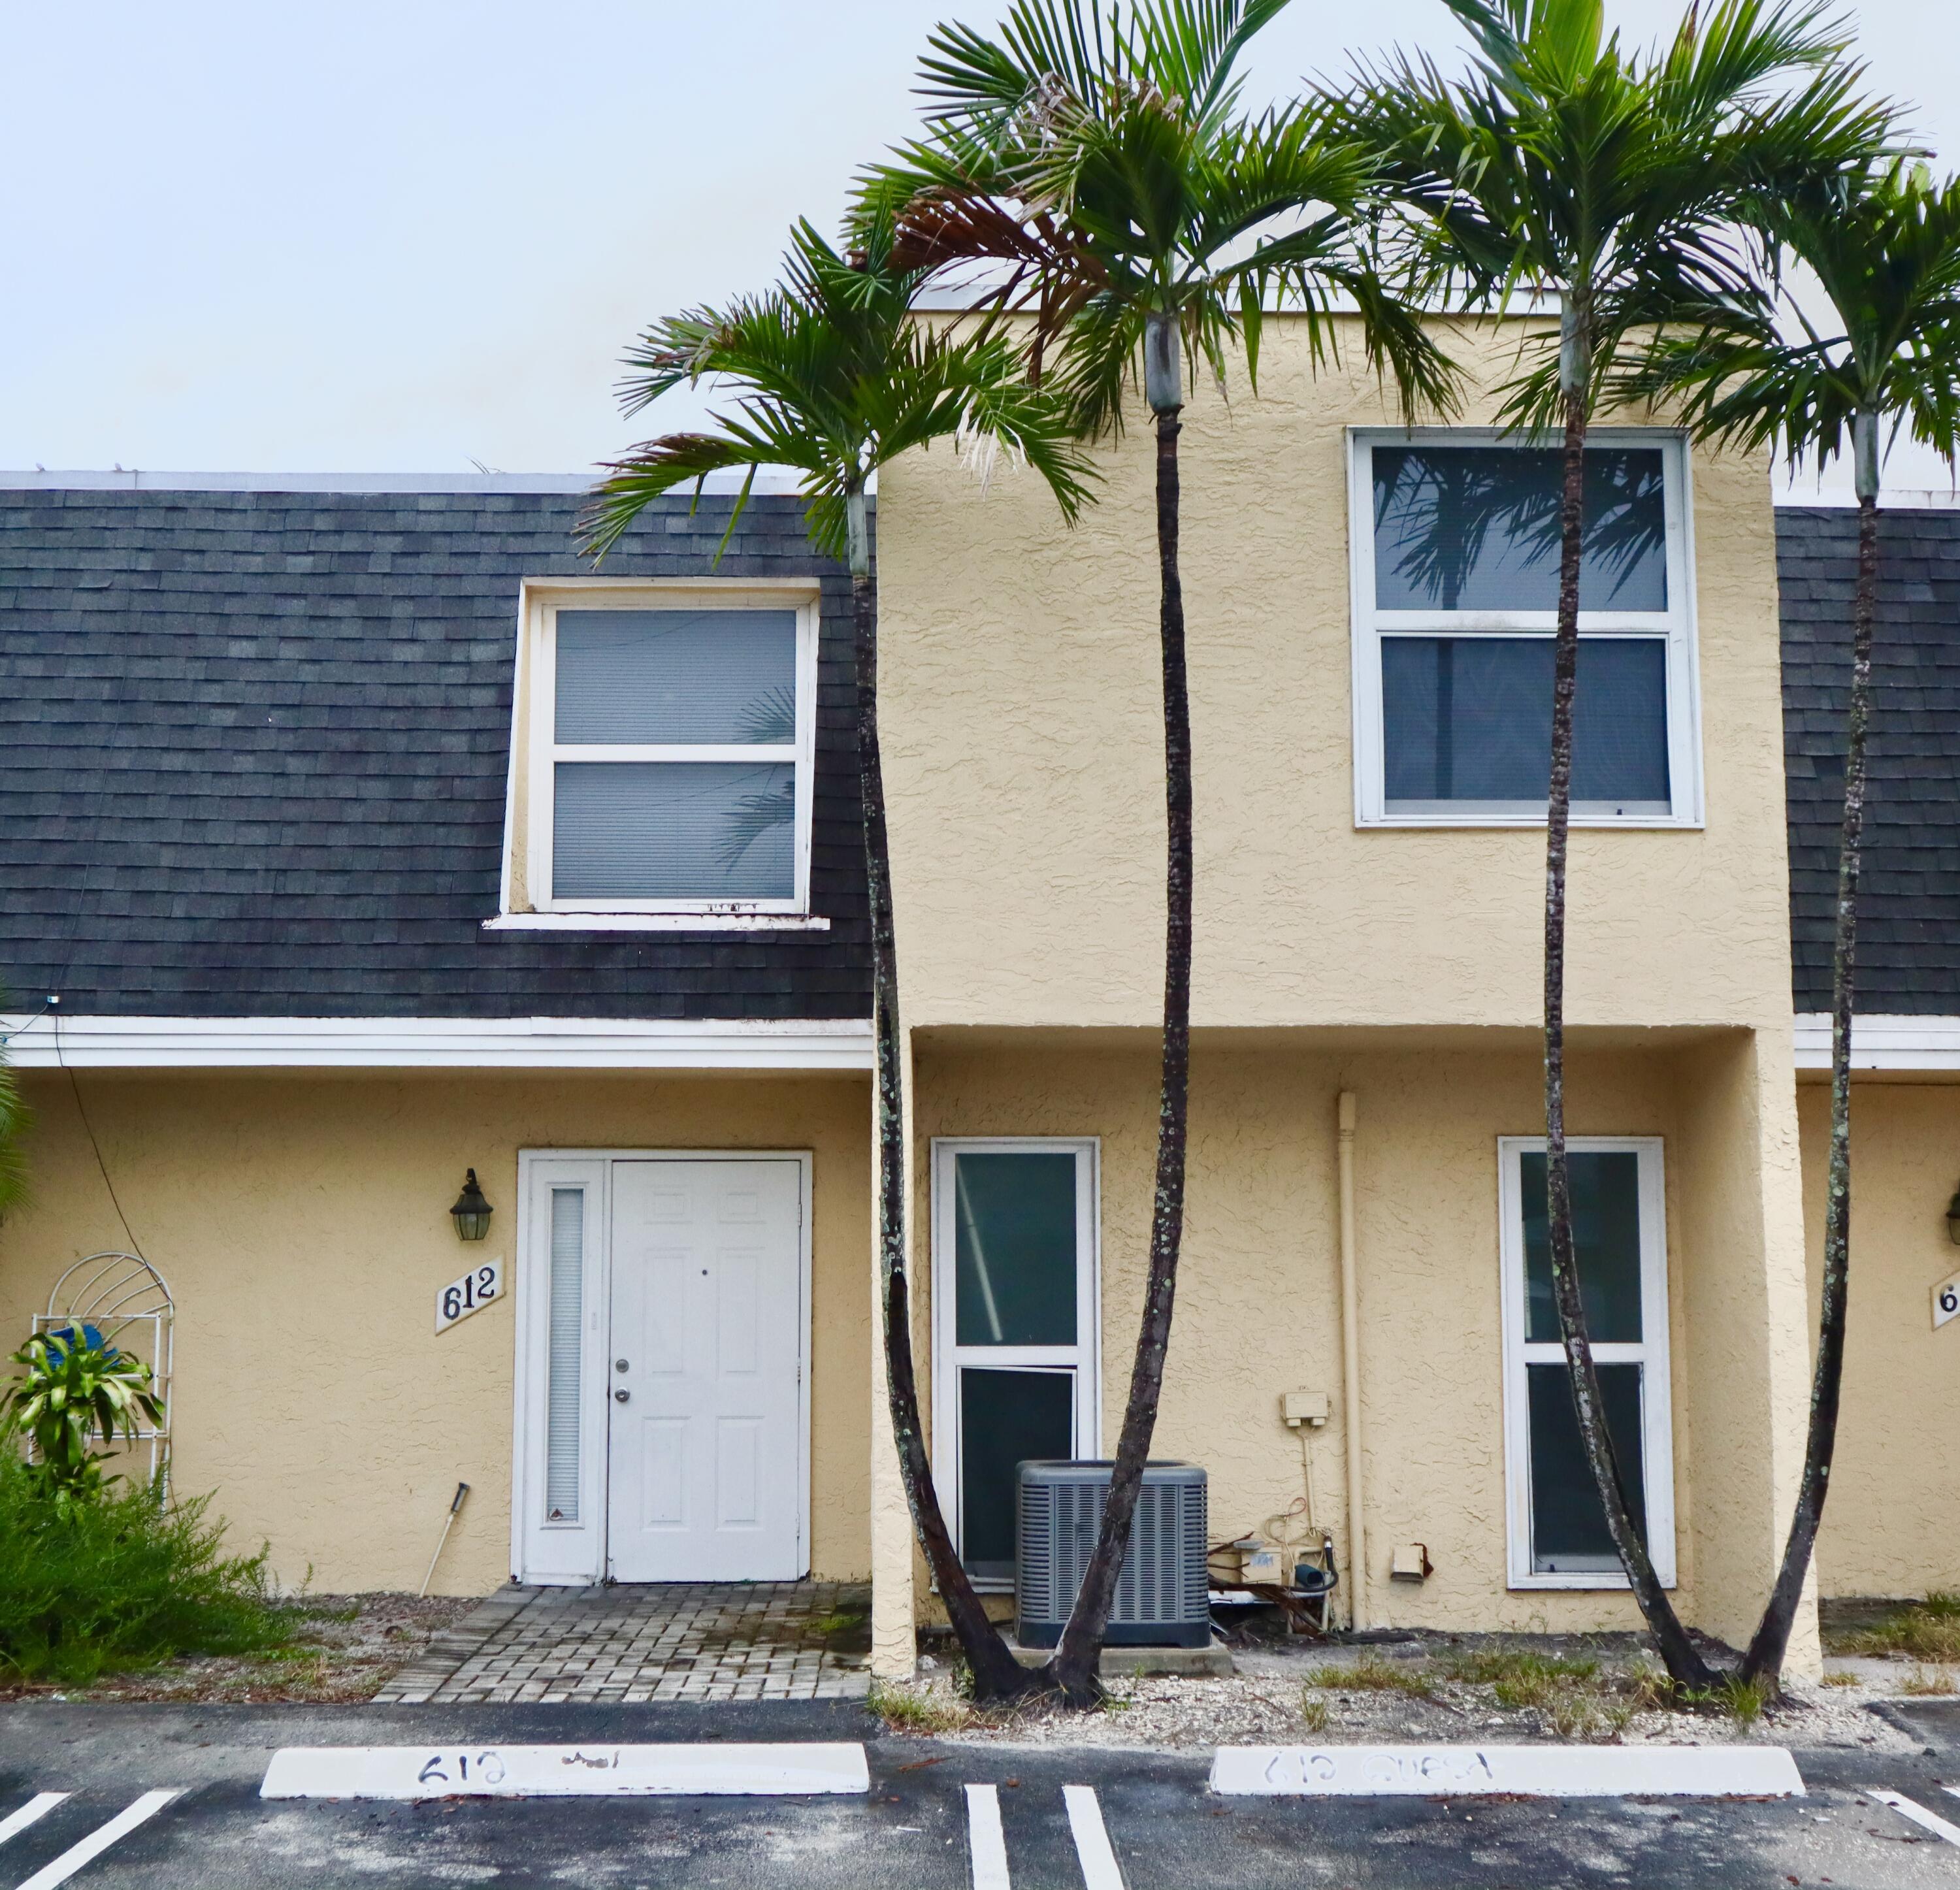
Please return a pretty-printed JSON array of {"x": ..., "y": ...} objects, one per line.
[
  {"x": 1881, "y": 1042},
  {"x": 770, "y": 482},
  {"x": 29, "y": 1042}
]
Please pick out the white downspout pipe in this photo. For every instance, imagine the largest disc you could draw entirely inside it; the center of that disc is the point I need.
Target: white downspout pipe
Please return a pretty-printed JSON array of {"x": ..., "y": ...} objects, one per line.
[{"x": 1350, "y": 1372}]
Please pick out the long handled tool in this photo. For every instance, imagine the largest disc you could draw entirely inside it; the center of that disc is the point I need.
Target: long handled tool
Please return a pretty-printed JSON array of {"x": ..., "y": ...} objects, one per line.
[{"x": 461, "y": 1490}]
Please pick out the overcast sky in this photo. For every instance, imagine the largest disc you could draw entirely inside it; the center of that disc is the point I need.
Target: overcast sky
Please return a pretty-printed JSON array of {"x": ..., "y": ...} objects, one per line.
[{"x": 408, "y": 235}]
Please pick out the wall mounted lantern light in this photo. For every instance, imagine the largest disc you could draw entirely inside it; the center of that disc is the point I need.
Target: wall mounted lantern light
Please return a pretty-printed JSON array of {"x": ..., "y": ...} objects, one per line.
[
  {"x": 471, "y": 1212},
  {"x": 1953, "y": 1217}
]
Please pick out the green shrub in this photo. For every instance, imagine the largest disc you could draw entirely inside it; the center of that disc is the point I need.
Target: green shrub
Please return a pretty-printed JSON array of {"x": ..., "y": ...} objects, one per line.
[{"x": 120, "y": 1581}]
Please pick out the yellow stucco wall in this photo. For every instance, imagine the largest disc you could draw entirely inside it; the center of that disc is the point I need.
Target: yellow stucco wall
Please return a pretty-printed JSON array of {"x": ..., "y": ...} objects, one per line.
[
  {"x": 1259, "y": 1306},
  {"x": 303, "y": 1224},
  {"x": 1890, "y": 1523},
  {"x": 1024, "y": 756}
]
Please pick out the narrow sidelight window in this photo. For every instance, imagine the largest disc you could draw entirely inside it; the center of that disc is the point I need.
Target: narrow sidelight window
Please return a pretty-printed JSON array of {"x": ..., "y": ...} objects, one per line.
[
  {"x": 1558, "y": 1534},
  {"x": 1455, "y": 599},
  {"x": 564, "y": 1354},
  {"x": 1015, "y": 1321}
]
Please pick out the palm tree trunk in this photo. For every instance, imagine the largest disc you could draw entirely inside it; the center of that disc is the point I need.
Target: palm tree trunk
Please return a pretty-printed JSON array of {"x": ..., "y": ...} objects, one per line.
[
  {"x": 997, "y": 1675},
  {"x": 1684, "y": 1664},
  {"x": 1076, "y": 1659},
  {"x": 1763, "y": 1660}
]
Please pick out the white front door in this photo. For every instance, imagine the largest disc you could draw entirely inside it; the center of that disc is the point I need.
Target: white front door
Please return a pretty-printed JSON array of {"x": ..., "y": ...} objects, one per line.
[{"x": 704, "y": 1371}]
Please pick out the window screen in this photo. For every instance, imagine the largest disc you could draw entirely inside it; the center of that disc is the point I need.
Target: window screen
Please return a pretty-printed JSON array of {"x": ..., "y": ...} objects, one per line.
[
  {"x": 676, "y": 675},
  {"x": 674, "y": 830},
  {"x": 1014, "y": 1246},
  {"x": 1569, "y": 1533},
  {"x": 1606, "y": 1243},
  {"x": 1469, "y": 719},
  {"x": 1477, "y": 528},
  {"x": 1006, "y": 1418},
  {"x": 699, "y": 802}
]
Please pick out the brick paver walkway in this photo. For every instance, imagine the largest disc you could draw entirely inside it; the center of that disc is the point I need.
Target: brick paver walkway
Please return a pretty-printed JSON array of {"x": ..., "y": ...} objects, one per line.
[{"x": 761, "y": 1640}]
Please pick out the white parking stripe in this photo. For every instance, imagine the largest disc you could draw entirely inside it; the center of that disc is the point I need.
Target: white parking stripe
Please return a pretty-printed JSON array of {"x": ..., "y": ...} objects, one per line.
[
  {"x": 1920, "y": 1816},
  {"x": 35, "y": 1809},
  {"x": 97, "y": 1841},
  {"x": 1100, "y": 1870},
  {"x": 986, "y": 1844}
]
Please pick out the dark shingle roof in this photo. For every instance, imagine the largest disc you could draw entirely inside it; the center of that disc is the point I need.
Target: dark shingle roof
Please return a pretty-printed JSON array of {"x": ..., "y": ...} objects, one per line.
[
  {"x": 253, "y": 760},
  {"x": 1909, "y": 903}
]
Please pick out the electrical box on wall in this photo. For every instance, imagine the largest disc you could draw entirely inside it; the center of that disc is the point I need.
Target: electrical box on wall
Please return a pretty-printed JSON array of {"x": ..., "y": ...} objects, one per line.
[{"x": 1303, "y": 1408}]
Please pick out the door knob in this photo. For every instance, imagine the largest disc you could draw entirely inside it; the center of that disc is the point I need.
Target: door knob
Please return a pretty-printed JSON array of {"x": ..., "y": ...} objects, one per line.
[{"x": 620, "y": 1396}]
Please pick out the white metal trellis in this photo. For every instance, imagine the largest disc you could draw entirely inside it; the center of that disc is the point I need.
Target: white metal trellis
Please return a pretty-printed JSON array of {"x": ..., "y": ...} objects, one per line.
[{"x": 126, "y": 1299}]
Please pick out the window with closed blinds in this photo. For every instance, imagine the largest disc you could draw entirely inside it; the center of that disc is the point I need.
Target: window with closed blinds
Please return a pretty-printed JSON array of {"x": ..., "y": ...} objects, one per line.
[
  {"x": 678, "y": 758},
  {"x": 565, "y": 1358}
]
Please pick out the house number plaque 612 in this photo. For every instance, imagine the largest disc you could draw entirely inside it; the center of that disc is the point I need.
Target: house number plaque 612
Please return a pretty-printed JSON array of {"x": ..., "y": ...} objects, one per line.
[{"x": 471, "y": 1293}]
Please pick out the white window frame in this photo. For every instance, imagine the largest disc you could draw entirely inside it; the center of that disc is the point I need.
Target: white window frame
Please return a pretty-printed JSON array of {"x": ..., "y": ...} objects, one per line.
[
  {"x": 575, "y": 1554},
  {"x": 1677, "y": 623},
  {"x": 537, "y": 680},
  {"x": 1651, "y": 1354},
  {"x": 1084, "y": 1358}
]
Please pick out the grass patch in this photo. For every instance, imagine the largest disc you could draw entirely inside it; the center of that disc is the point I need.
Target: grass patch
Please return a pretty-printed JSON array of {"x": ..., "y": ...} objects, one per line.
[
  {"x": 915, "y": 1709},
  {"x": 1314, "y": 1713},
  {"x": 1371, "y": 1674},
  {"x": 120, "y": 1583},
  {"x": 1842, "y": 1680},
  {"x": 1573, "y": 1698},
  {"x": 1928, "y": 1682},
  {"x": 1919, "y": 1630}
]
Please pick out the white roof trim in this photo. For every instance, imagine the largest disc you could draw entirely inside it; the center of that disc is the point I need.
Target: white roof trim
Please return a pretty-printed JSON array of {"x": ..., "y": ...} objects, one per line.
[
  {"x": 29, "y": 1042},
  {"x": 773, "y": 483},
  {"x": 1937, "y": 498},
  {"x": 1882, "y": 1043}
]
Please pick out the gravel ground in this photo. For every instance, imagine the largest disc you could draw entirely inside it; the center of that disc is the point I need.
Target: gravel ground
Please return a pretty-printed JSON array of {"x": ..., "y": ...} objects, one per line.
[
  {"x": 345, "y": 1647},
  {"x": 1273, "y": 1699}
]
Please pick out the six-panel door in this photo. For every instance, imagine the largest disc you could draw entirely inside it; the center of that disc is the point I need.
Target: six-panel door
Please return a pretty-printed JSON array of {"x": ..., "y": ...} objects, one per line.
[{"x": 702, "y": 1374}]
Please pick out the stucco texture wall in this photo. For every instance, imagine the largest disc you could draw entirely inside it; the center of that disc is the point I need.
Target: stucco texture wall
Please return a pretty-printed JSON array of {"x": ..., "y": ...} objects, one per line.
[
  {"x": 303, "y": 1224},
  {"x": 1890, "y": 1523},
  {"x": 1258, "y": 1307},
  {"x": 1024, "y": 754}
]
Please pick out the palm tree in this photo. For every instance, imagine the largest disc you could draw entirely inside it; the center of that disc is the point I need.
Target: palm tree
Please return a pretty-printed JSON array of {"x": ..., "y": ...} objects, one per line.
[
  {"x": 1612, "y": 178},
  {"x": 1883, "y": 244},
  {"x": 1096, "y": 165},
  {"x": 836, "y": 378}
]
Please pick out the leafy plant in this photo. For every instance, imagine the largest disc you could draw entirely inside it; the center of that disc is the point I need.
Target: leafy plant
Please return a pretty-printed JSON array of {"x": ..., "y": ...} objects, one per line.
[
  {"x": 124, "y": 1581},
  {"x": 75, "y": 1386}
]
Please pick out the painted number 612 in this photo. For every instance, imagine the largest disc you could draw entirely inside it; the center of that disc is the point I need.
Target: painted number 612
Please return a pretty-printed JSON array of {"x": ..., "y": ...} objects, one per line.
[{"x": 468, "y": 1292}]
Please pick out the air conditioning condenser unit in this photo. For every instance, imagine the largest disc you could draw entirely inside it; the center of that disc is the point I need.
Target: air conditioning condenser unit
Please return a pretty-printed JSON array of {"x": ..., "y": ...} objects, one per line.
[{"x": 1161, "y": 1597}]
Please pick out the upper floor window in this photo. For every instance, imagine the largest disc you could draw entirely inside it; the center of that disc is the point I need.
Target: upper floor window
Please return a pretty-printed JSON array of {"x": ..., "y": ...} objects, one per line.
[
  {"x": 670, "y": 754},
  {"x": 1456, "y": 579}
]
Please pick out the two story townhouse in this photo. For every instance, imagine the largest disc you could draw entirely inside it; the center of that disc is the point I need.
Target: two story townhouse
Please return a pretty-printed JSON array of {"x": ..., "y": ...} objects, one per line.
[{"x": 365, "y": 836}]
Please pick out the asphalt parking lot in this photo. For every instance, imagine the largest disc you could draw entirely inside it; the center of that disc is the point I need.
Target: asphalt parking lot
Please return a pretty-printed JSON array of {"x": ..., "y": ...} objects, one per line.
[{"x": 1165, "y": 1830}]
